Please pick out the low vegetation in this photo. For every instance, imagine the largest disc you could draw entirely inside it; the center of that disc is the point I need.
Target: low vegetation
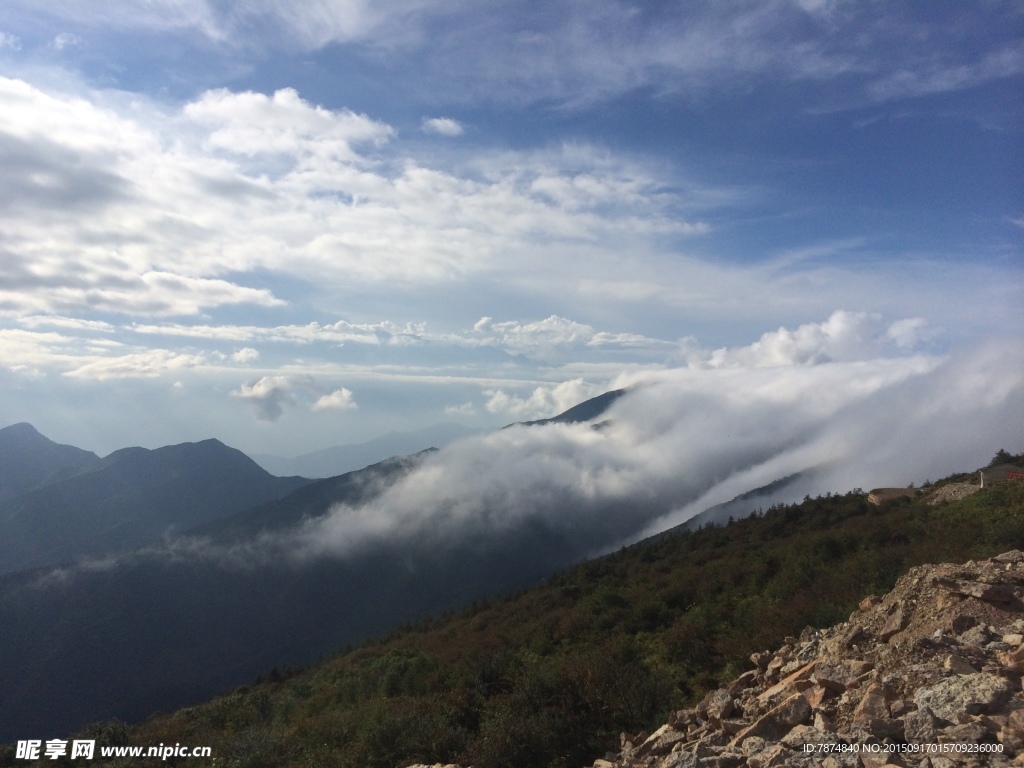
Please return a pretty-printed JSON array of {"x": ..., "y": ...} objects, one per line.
[{"x": 550, "y": 676}]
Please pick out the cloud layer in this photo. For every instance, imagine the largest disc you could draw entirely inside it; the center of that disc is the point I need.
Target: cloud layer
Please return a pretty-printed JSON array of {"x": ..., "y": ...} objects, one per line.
[
  {"x": 149, "y": 214},
  {"x": 685, "y": 439}
]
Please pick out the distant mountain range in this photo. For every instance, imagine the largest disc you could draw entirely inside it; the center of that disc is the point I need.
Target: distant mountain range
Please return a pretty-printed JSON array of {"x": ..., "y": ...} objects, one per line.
[
  {"x": 330, "y": 462},
  {"x": 59, "y": 503}
]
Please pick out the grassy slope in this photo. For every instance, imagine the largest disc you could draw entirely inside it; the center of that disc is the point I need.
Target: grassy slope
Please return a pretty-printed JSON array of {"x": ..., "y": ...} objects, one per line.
[{"x": 550, "y": 676}]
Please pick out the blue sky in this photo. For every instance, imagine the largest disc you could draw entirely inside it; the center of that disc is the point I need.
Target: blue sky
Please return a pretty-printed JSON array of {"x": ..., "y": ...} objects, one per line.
[{"x": 295, "y": 225}]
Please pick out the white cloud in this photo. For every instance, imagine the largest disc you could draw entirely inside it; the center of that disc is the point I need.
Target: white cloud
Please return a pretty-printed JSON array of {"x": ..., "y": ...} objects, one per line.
[
  {"x": 543, "y": 402},
  {"x": 580, "y": 53},
  {"x": 158, "y": 15},
  {"x": 339, "y": 400},
  {"x": 138, "y": 212},
  {"x": 245, "y": 355},
  {"x": 557, "y": 336},
  {"x": 943, "y": 76},
  {"x": 57, "y": 321},
  {"x": 340, "y": 332},
  {"x": 283, "y": 124},
  {"x": 845, "y": 336},
  {"x": 65, "y": 40},
  {"x": 443, "y": 126},
  {"x": 20, "y": 348},
  {"x": 463, "y": 409},
  {"x": 269, "y": 394},
  {"x": 9, "y": 41},
  {"x": 552, "y": 331},
  {"x": 149, "y": 364}
]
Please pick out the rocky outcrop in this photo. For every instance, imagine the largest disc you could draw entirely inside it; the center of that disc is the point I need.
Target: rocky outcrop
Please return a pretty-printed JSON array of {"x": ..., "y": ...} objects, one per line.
[
  {"x": 880, "y": 496},
  {"x": 951, "y": 492},
  {"x": 929, "y": 676}
]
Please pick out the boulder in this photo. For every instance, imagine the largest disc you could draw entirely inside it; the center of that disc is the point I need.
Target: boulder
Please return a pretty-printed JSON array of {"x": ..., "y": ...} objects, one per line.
[
  {"x": 955, "y": 698},
  {"x": 777, "y": 722},
  {"x": 896, "y": 623}
]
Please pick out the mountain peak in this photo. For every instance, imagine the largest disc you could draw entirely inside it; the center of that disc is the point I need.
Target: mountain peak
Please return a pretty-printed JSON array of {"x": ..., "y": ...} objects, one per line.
[
  {"x": 21, "y": 429},
  {"x": 29, "y": 459}
]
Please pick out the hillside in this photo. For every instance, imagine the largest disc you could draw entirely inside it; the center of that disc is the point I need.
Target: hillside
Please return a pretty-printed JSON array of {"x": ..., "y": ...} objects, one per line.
[{"x": 550, "y": 677}]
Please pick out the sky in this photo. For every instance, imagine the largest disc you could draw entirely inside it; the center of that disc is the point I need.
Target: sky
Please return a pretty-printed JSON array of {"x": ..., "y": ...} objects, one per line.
[{"x": 297, "y": 225}]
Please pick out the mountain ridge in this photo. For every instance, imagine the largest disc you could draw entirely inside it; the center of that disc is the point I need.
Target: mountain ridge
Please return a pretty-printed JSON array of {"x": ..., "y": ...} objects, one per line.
[
  {"x": 86, "y": 506},
  {"x": 29, "y": 460}
]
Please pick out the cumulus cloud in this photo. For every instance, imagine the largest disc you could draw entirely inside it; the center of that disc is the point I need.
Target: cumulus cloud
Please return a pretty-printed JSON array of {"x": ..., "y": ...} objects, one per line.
[
  {"x": 338, "y": 400},
  {"x": 268, "y": 394},
  {"x": 141, "y": 212},
  {"x": 245, "y": 355},
  {"x": 845, "y": 336},
  {"x": 443, "y": 126},
  {"x": 282, "y": 124}
]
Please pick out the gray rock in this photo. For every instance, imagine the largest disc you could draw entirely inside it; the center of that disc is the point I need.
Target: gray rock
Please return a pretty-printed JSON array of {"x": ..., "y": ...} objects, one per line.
[
  {"x": 806, "y": 734},
  {"x": 717, "y": 704},
  {"x": 970, "y": 733},
  {"x": 753, "y": 744},
  {"x": 661, "y": 741},
  {"x": 955, "y": 698},
  {"x": 771, "y": 757},
  {"x": 977, "y": 637},
  {"x": 919, "y": 726},
  {"x": 680, "y": 760}
]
